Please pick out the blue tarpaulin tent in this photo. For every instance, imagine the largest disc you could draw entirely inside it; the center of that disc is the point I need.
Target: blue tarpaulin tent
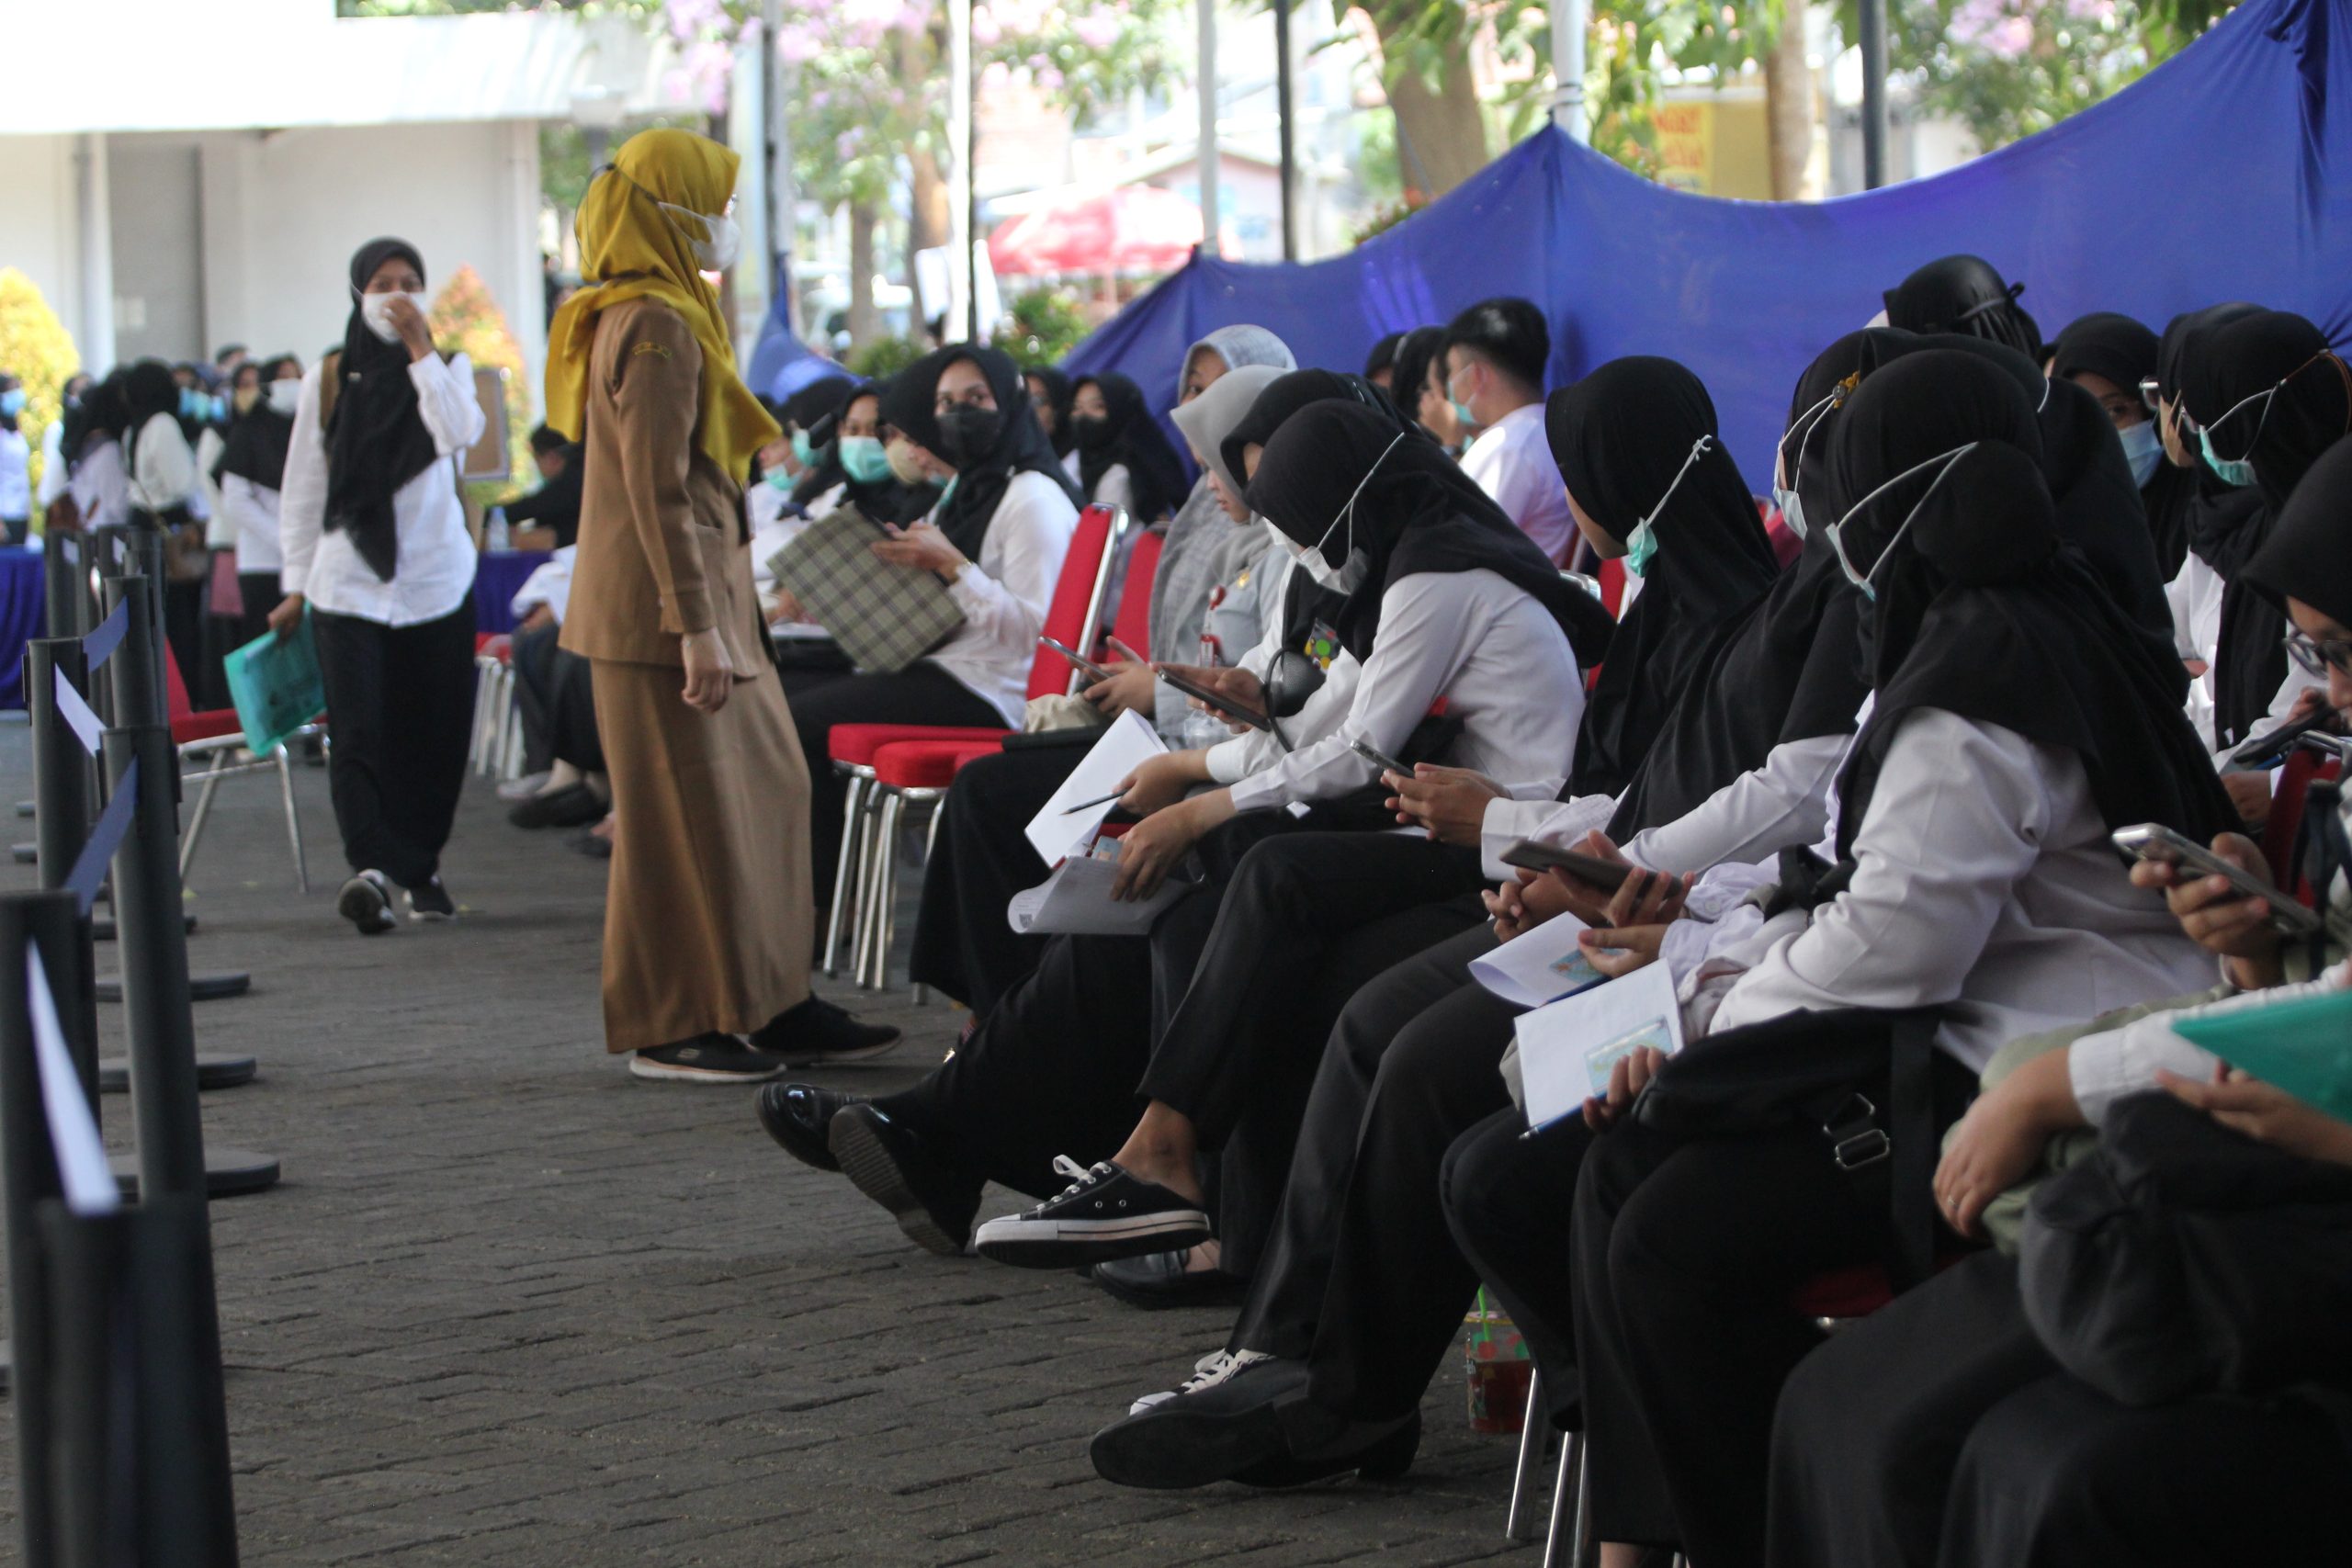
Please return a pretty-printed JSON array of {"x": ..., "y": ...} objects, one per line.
[{"x": 2225, "y": 174}]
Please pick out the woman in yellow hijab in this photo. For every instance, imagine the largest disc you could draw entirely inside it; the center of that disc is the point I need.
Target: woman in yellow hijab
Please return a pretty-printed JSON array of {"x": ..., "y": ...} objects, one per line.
[{"x": 707, "y": 930}]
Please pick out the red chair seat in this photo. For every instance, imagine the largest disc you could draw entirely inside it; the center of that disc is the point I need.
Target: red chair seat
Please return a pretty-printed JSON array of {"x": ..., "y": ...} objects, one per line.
[
  {"x": 856, "y": 743},
  {"x": 1861, "y": 1289},
  {"x": 927, "y": 764},
  {"x": 213, "y": 724}
]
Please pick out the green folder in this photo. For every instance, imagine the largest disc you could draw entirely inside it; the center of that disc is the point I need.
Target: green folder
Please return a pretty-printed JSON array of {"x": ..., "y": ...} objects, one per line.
[
  {"x": 2304, "y": 1046},
  {"x": 274, "y": 682}
]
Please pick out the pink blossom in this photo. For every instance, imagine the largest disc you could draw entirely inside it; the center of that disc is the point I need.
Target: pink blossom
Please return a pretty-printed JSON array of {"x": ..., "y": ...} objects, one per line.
[
  {"x": 2011, "y": 37},
  {"x": 985, "y": 31},
  {"x": 1096, "y": 31},
  {"x": 2100, "y": 11},
  {"x": 796, "y": 44}
]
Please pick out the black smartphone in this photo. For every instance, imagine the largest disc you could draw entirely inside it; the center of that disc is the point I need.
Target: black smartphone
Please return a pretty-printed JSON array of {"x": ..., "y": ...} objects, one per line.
[
  {"x": 2268, "y": 750},
  {"x": 1087, "y": 667},
  {"x": 1214, "y": 702},
  {"x": 2154, "y": 841},
  {"x": 1378, "y": 758},
  {"x": 1530, "y": 856}
]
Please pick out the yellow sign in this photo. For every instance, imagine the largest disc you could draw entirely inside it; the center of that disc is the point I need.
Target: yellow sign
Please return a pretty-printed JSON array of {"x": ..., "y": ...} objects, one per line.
[{"x": 1714, "y": 145}]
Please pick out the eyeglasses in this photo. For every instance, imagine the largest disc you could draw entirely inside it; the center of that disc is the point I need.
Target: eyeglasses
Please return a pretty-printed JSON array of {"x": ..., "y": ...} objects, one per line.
[
  {"x": 2152, "y": 394},
  {"x": 2318, "y": 655}
]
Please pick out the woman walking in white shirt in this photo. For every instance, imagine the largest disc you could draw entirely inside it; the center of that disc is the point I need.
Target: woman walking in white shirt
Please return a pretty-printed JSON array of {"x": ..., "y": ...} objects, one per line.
[{"x": 375, "y": 544}]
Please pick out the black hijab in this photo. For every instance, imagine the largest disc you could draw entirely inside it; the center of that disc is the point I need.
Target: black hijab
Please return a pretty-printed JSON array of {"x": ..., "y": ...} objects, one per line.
[
  {"x": 1791, "y": 668},
  {"x": 814, "y": 401},
  {"x": 1059, "y": 393},
  {"x": 103, "y": 408},
  {"x": 909, "y": 406},
  {"x": 1416, "y": 512},
  {"x": 1129, "y": 436},
  {"x": 1411, "y": 367},
  {"x": 376, "y": 440},
  {"x": 2309, "y": 552},
  {"x": 258, "y": 439},
  {"x": 1620, "y": 437},
  {"x": 1963, "y": 294},
  {"x": 1984, "y": 611},
  {"x": 885, "y": 500},
  {"x": 1296, "y": 389},
  {"x": 1383, "y": 356},
  {"x": 2123, "y": 351}
]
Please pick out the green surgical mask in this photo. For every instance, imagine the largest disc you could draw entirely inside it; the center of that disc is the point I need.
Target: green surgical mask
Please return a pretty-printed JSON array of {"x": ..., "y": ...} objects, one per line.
[
  {"x": 864, "y": 460},
  {"x": 801, "y": 451}
]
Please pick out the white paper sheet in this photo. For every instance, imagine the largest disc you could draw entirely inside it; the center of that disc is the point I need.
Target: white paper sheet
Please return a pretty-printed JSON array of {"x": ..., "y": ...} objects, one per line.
[
  {"x": 1058, "y": 830},
  {"x": 1539, "y": 966},
  {"x": 1567, "y": 1049},
  {"x": 1076, "y": 898}
]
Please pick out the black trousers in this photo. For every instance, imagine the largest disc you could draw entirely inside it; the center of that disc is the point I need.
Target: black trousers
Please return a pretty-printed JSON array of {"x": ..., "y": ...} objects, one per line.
[
  {"x": 401, "y": 703},
  {"x": 1685, "y": 1253},
  {"x": 258, "y": 595},
  {"x": 979, "y": 859},
  {"x": 1361, "y": 1280},
  {"x": 555, "y": 695},
  {"x": 1507, "y": 1193},
  {"x": 1939, "y": 1431},
  {"x": 184, "y": 629},
  {"x": 920, "y": 694}
]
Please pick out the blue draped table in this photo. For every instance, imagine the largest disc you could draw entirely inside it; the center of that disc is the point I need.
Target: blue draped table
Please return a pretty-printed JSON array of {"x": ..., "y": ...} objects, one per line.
[
  {"x": 497, "y": 580},
  {"x": 21, "y": 612}
]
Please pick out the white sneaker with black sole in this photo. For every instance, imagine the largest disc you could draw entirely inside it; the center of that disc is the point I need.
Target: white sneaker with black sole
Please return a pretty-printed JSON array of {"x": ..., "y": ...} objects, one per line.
[
  {"x": 705, "y": 1059},
  {"x": 366, "y": 902},
  {"x": 1105, "y": 1212}
]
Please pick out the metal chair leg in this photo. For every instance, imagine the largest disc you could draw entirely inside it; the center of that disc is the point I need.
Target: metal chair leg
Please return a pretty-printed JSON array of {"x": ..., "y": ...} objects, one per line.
[
  {"x": 196, "y": 820},
  {"x": 293, "y": 819},
  {"x": 885, "y": 886},
  {"x": 844, "y": 890},
  {"x": 870, "y": 850},
  {"x": 1575, "y": 1474},
  {"x": 1533, "y": 1426}
]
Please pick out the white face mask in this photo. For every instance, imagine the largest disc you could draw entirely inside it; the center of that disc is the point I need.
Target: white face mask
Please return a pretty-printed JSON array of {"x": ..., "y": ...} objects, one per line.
[
  {"x": 1349, "y": 575},
  {"x": 1785, "y": 472},
  {"x": 1861, "y": 579},
  {"x": 376, "y": 311},
  {"x": 716, "y": 241},
  {"x": 284, "y": 397}
]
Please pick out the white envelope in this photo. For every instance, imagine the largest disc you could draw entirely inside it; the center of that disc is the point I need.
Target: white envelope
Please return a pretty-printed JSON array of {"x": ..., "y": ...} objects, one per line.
[
  {"x": 1125, "y": 745},
  {"x": 1567, "y": 1049}
]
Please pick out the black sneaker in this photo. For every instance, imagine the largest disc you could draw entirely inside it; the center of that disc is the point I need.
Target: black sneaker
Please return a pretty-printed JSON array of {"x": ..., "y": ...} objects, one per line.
[
  {"x": 800, "y": 1117},
  {"x": 1222, "y": 1423},
  {"x": 1104, "y": 1213},
  {"x": 707, "y": 1058},
  {"x": 816, "y": 1033},
  {"x": 933, "y": 1202},
  {"x": 575, "y": 806},
  {"x": 431, "y": 902},
  {"x": 366, "y": 902},
  {"x": 586, "y": 843}
]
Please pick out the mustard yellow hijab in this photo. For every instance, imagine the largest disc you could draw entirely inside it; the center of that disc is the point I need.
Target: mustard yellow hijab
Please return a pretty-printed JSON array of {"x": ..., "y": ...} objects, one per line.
[{"x": 631, "y": 249}]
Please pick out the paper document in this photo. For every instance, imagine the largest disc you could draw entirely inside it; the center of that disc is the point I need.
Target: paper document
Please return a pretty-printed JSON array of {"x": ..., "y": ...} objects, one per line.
[
  {"x": 1567, "y": 1049},
  {"x": 276, "y": 686},
  {"x": 1128, "y": 743},
  {"x": 1076, "y": 899},
  {"x": 1539, "y": 966}
]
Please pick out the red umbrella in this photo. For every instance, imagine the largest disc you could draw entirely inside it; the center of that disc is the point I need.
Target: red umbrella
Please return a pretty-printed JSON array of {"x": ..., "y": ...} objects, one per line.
[{"x": 1130, "y": 228}]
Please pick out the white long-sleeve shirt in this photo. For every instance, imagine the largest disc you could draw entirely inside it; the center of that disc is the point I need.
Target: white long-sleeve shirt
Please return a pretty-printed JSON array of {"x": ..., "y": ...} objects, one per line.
[
  {"x": 1470, "y": 637},
  {"x": 1983, "y": 883},
  {"x": 1512, "y": 461},
  {"x": 437, "y": 554},
  {"x": 15, "y": 469},
  {"x": 251, "y": 512},
  {"x": 162, "y": 470},
  {"x": 101, "y": 490},
  {"x": 1004, "y": 594},
  {"x": 53, "y": 477}
]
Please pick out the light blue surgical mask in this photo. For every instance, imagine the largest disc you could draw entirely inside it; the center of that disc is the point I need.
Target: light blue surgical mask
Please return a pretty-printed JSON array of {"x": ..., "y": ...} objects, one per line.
[
  {"x": 1861, "y": 579},
  {"x": 1784, "y": 487},
  {"x": 1641, "y": 545},
  {"x": 2144, "y": 448},
  {"x": 1349, "y": 575},
  {"x": 12, "y": 403},
  {"x": 864, "y": 460},
  {"x": 2239, "y": 471},
  {"x": 777, "y": 481},
  {"x": 191, "y": 404}
]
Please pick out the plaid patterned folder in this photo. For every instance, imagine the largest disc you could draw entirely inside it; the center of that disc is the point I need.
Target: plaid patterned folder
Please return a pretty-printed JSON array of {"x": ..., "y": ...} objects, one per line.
[{"x": 884, "y": 616}]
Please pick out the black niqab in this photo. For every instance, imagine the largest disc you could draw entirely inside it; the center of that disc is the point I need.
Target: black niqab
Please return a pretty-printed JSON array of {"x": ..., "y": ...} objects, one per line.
[
  {"x": 1621, "y": 436},
  {"x": 376, "y": 439},
  {"x": 1129, "y": 436},
  {"x": 909, "y": 406}
]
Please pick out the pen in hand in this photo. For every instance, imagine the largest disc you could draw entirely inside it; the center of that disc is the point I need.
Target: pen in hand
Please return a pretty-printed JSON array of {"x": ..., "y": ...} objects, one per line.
[{"x": 1089, "y": 804}]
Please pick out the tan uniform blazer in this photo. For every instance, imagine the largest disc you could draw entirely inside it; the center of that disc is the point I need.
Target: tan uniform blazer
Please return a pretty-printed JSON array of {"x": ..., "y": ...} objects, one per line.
[{"x": 664, "y": 549}]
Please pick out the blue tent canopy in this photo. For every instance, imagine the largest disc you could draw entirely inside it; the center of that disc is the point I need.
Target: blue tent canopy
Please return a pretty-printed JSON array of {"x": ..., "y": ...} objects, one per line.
[{"x": 2225, "y": 174}]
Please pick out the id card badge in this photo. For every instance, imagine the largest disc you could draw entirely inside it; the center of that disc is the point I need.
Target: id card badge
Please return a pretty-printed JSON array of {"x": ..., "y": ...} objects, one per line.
[{"x": 1322, "y": 643}]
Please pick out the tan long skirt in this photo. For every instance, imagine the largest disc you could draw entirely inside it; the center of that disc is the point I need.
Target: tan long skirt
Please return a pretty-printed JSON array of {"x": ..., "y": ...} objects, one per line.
[{"x": 707, "y": 926}]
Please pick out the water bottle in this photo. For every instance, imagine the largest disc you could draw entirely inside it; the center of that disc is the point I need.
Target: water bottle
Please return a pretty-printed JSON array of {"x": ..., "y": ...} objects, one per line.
[{"x": 494, "y": 532}]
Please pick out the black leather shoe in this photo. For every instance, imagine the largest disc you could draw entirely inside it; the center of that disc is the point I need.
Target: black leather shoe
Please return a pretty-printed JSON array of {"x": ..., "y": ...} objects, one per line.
[
  {"x": 1374, "y": 1454},
  {"x": 1226, "y": 1430},
  {"x": 573, "y": 806},
  {"x": 817, "y": 1032},
  {"x": 933, "y": 1202},
  {"x": 1158, "y": 1280},
  {"x": 800, "y": 1117}
]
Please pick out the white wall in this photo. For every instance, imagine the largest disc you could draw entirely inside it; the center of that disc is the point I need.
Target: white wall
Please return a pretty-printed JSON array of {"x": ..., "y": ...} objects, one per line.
[{"x": 36, "y": 222}]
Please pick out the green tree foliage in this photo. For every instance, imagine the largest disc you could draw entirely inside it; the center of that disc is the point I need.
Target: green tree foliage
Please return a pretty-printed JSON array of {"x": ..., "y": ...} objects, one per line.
[
  {"x": 1042, "y": 326},
  {"x": 467, "y": 320}
]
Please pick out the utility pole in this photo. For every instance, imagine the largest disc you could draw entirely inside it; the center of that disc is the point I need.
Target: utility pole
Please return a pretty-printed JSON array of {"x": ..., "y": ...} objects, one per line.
[
  {"x": 1211, "y": 164},
  {"x": 1873, "y": 47},
  {"x": 1570, "y": 20},
  {"x": 1283, "y": 116},
  {"x": 963, "y": 304}
]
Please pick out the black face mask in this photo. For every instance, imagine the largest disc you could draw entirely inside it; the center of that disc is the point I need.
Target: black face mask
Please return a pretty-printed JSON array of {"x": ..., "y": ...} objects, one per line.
[
  {"x": 1090, "y": 432},
  {"x": 969, "y": 434}
]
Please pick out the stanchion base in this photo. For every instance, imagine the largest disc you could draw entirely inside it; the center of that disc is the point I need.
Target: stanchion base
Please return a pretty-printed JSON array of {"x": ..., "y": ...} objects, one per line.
[
  {"x": 211, "y": 1072},
  {"x": 26, "y": 855},
  {"x": 227, "y": 1173},
  {"x": 102, "y": 927},
  {"x": 201, "y": 988},
  {"x": 23, "y": 809}
]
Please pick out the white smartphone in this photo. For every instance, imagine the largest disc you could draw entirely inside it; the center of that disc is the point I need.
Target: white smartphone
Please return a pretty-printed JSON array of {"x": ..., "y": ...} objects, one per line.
[{"x": 2153, "y": 841}]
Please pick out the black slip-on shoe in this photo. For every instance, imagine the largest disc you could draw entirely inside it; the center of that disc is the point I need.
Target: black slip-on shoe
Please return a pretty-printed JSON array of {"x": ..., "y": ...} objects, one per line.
[
  {"x": 1224, "y": 1421},
  {"x": 800, "y": 1117},
  {"x": 1381, "y": 1451},
  {"x": 430, "y": 902},
  {"x": 707, "y": 1058},
  {"x": 817, "y": 1033},
  {"x": 1105, "y": 1212},
  {"x": 1158, "y": 1280},
  {"x": 575, "y": 806},
  {"x": 932, "y": 1203},
  {"x": 366, "y": 902}
]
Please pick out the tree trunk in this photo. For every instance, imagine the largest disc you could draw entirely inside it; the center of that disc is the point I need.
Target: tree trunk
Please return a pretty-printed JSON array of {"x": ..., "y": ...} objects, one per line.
[
  {"x": 1441, "y": 135},
  {"x": 1788, "y": 104},
  {"x": 864, "y": 320}
]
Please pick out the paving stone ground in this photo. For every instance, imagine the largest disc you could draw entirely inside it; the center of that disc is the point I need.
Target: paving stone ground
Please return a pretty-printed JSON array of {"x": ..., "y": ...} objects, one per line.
[{"x": 509, "y": 1307}]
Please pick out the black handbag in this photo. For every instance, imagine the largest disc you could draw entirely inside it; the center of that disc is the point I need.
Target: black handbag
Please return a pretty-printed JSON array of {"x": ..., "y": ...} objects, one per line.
[{"x": 2186, "y": 1258}]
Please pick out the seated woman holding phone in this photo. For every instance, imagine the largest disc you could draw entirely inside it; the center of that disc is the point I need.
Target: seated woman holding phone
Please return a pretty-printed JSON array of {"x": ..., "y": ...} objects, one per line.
[{"x": 998, "y": 539}]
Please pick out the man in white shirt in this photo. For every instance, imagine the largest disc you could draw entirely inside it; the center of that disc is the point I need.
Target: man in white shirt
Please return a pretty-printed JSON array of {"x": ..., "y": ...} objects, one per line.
[{"x": 1493, "y": 365}]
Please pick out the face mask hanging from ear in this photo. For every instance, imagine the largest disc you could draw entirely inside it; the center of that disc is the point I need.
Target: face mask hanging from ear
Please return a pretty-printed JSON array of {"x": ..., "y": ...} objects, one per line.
[
  {"x": 1861, "y": 579},
  {"x": 2239, "y": 471},
  {"x": 1641, "y": 545},
  {"x": 1784, "y": 490},
  {"x": 1349, "y": 574}
]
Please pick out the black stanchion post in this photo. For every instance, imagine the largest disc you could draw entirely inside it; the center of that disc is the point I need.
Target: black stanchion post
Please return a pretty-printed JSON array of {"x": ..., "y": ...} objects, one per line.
[
  {"x": 29, "y": 1175},
  {"x": 133, "y": 678},
  {"x": 62, "y": 786},
  {"x": 65, "y": 586}
]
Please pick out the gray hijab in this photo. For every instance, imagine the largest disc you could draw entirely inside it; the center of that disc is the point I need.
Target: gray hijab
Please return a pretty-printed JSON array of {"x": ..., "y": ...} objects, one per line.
[{"x": 1239, "y": 345}]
